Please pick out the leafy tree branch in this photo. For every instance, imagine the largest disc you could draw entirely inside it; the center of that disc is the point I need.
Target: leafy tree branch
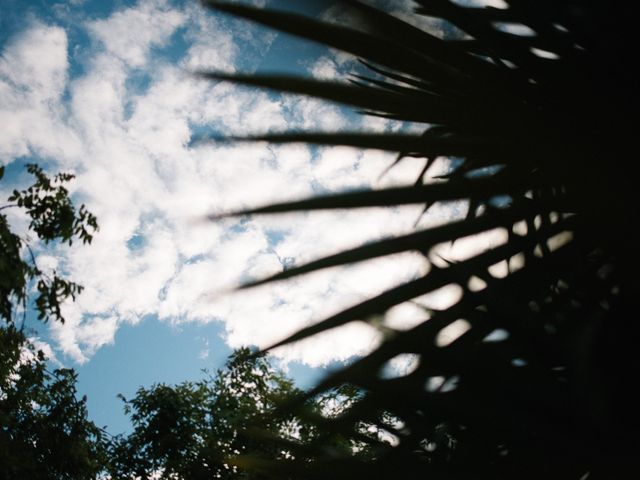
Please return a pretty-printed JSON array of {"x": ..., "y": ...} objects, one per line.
[{"x": 53, "y": 217}]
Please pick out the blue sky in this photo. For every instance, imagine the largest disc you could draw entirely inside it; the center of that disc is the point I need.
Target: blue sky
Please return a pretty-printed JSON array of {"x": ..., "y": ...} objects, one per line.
[{"x": 103, "y": 89}]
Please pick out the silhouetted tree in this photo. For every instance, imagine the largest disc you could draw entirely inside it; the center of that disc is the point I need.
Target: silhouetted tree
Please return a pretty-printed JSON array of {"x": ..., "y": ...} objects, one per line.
[
  {"x": 44, "y": 430},
  {"x": 224, "y": 426}
]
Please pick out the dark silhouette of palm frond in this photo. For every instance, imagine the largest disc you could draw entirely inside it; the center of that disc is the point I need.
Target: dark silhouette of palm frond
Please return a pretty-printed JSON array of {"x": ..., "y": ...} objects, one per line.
[{"x": 535, "y": 100}]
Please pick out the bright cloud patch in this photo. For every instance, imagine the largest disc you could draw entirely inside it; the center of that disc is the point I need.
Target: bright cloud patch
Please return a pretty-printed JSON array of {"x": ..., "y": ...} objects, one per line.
[
  {"x": 129, "y": 34},
  {"x": 124, "y": 126},
  {"x": 33, "y": 75}
]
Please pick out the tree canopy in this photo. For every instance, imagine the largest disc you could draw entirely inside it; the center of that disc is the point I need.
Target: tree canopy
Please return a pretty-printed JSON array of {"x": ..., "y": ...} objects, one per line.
[
  {"x": 44, "y": 429},
  {"x": 222, "y": 426}
]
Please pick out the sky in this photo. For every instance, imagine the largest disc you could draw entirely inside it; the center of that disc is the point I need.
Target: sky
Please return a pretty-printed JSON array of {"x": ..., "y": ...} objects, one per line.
[{"x": 105, "y": 90}]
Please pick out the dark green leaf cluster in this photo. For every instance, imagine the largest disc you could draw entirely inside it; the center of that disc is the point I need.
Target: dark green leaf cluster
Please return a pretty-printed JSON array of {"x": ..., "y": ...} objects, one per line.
[
  {"x": 540, "y": 384},
  {"x": 44, "y": 430},
  {"x": 52, "y": 217}
]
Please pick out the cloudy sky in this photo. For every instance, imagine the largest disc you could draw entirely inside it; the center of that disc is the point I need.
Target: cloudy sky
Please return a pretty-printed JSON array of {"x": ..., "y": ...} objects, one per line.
[{"x": 104, "y": 90}]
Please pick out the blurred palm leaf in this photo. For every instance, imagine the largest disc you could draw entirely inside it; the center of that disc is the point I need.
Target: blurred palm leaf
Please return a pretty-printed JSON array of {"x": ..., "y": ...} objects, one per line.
[{"x": 535, "y": 99}]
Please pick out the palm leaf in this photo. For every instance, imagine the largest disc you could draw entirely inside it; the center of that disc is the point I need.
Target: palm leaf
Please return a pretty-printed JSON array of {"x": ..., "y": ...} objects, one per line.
[
  {"x": 418, "y": 241},
  {"x": 541, "y": 120}
]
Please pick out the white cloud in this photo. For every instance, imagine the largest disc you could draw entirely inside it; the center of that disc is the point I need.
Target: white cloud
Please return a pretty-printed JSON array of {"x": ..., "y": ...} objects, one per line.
[
  {"x": 33, "y": 76},
  {"x": 130, "y": 34},
  {"x": 401, "y": 365},
  {"x": 137, "y": 172},
  {"x": 36, "y": 62}
]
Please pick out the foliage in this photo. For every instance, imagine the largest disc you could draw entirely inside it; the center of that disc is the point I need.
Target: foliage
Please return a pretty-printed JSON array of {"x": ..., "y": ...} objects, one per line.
[
  {"x": 44, "y": 431},
  {"x": 223, "y": 426},
  {"x": 52, "y": 217},
  {"x": 534, "y": 102}
]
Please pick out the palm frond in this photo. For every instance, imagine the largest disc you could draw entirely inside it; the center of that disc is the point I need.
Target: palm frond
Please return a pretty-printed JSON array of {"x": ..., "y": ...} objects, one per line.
[{"x": 543, "y": 116}]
